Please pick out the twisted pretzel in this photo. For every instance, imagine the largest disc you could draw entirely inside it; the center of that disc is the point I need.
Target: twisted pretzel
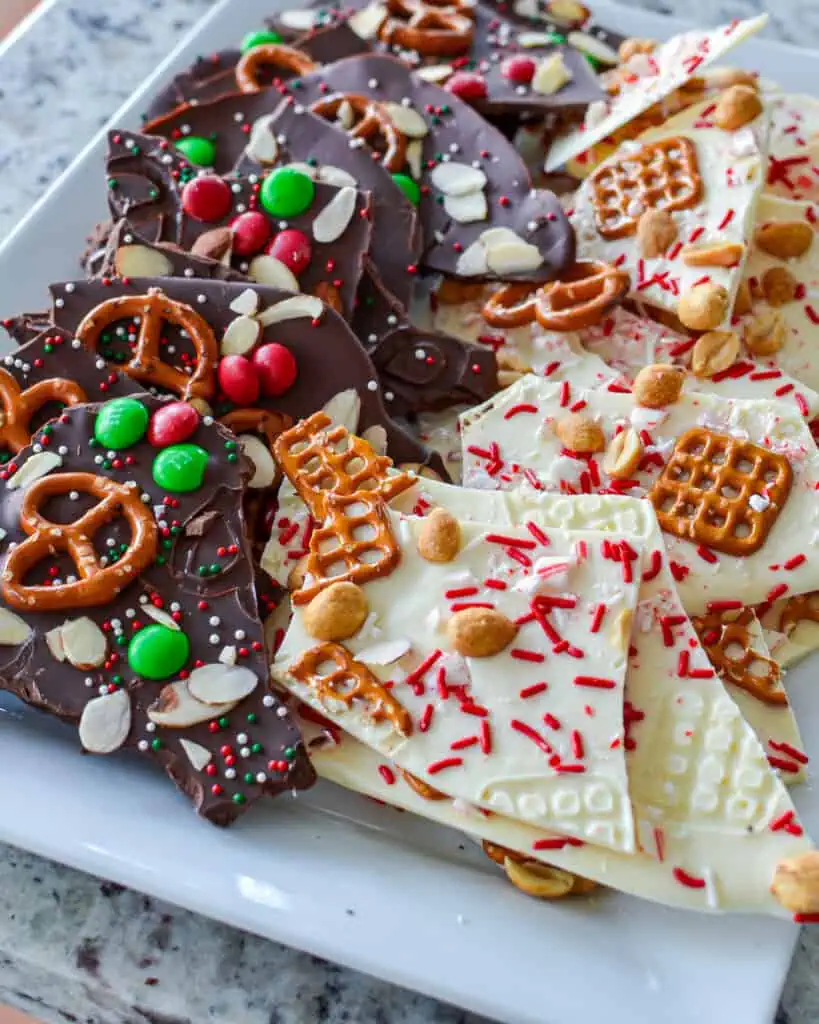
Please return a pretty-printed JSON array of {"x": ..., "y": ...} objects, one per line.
[
  {"x": 800, "y": 608},
  {"x": 431, "y": 29},
  {"x": 582, "y": 297},
  {"x": 19, "y": 406},
  {"x": 374, "y": 122},
  {"x": 347, "y": 681},
  {"x": 579, "y": 299},
  {"x": 145, "y": 364},
  {"x": 261, "y": 421},
  {"x": 97, "y": 585},
  {"x": 287, "y": 58}
]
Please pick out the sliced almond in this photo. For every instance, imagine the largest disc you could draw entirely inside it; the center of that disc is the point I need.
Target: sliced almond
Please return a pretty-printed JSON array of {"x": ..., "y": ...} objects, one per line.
[
  {"x": 513, "y": 258},
  {"x": 141, "y": 261},
  {"x": 366, "y": 22},
  {"x": 300, "y": 18},
  {"x": 480, "y": 632},
  {"x": 105, "y": 722},
  {"x": 54, "y": 642},
  {"x": 623, "y": 454},
  {"x": 714, "y": 352},
  {"x": 385, "y": 653},
  {"x": 246, "y": 303},
  {"x": 540, "y": 880},
  {"x": 456, "y": 179},
  {"x": 161, "y": 616},
  {"x": 435, "y": 72},
  {"x": 344, "y": 409},
  {"x": 265, "y": 469},
  {"x": 376, "y": 438},
  {"x": 84, "y": 643},
  {"x": 292, "y": 309},
  {"x": 407, "y": 120},
  {"x": 199, "y": 756},
  {"x": 551, "y": 75},
  {"x": 345, "y": 115},
  {"x": 467, "y": 209},
  {"x": 658, "y": 385},
  {"x": 439, "y": 538},
  {"x": 218, "y": 684},
  {"x": 335, "y": 218},
  {"x": 272, "y": 272},
  {"x": 39, "y": 465},
  {"x": 228, "y": 655},
  {"x": 337, "y": 612},
  {"x": 718, "y": 254},
  {"x": 472, "y": 261},
  {"x": 591, "y": 46},
  {"x": 785, "y": 239},
  {"x": 580, "y": 433},
  {"x": 177, "y": 708},
  {"x": 240, "y": 336},
  {"x": 532, "y": 40},
  {"x": 336, "y": 176},
  {"x": 13, "y": 629},
  {"x": 262, "y": 145},
  {"x": 216, "y": 244}
]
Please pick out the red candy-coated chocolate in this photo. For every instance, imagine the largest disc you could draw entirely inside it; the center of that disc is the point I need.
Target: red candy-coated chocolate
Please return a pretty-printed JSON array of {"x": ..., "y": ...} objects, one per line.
[
  {"x": 467, "y": 85},
  {"x": 293, "y": 249},
  {"x": 519, "y": 69},
  {"x": 277, "y": 368},
  {"x": 207, "y": 198},
  {"x": 239, "y": 379},
  {"x": 172, "y": 424},
  {"x": 251, "y": 230}
]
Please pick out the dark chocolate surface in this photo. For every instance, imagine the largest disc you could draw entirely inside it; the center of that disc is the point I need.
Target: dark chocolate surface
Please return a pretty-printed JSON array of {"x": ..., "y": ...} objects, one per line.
[
  {"x": 147, "y": 181},
  {"x": 328, "y": 355},
  {"x": 457, "y": 133},
  {"x": 302, "y": 138},
  {"x": 216, "y": 610}
]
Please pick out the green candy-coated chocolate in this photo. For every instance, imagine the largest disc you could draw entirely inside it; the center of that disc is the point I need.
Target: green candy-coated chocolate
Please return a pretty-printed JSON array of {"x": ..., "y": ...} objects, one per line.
[
  {"x": 157, "y": 652},
  {"x": 287, "y": 193},
  {"x": 408, "y": 187},
  {"x": 199, "y": 151},
  {"x": 181, "y": 468},
  {"x": 259, "y": 38},
  {"x": 121, "y": 423}
]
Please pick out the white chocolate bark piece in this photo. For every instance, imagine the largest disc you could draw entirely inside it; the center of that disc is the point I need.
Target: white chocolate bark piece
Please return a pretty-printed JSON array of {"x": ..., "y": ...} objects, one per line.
[
  {"x": 510, "y": 441},
  {"x": 689, "y": 727},
  {"x": 656, "y": 76},
  {"x": 793, "y": 158},
  {"x": 731, "y": 167},
  {"x": 535, "y": 731},
  {"x": 627, "y": 343},
  {"x": 799, "y": 354}
]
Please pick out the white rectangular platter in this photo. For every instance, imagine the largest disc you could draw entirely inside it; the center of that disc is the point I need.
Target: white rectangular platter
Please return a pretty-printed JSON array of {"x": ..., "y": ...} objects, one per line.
[{"x": 334, "y": 873}]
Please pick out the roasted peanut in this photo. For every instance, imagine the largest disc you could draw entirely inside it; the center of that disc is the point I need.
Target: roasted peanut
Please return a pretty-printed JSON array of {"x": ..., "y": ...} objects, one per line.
[
  {"x": 580, "y": 433},
  {"x": 658, "y": 385},
  {"x": 714, "y": 352},
  {"x": 703, "y": 307}
]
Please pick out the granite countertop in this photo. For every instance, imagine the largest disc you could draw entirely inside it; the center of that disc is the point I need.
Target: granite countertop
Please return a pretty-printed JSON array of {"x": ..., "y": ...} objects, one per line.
[{"x": 72, "y": 948}]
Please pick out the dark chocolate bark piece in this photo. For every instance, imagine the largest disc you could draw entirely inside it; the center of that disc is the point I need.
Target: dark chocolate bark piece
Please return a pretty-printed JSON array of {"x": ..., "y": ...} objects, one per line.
[
  {"x": 420, "y": 370},
  {"x": 127, "y": 604},
  {"x": 25, "y": 327},
  {"x": 258, "y": 132},
  {"x": 480, "y": 217},
  {"x": 180, "y": 336},
  {"x": 214, "y": 75},
  {"x": 285, "y": 230}
]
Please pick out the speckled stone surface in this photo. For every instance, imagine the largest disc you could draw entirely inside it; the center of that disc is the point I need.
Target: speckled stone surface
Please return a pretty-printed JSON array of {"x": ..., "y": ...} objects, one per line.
[{"x": 73, "y": 949}]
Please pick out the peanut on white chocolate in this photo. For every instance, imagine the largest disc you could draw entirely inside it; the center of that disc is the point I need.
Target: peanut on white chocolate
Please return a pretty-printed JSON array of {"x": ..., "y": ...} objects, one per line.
[
  {"x": 337, "y": 612},
  {"x": 480, "y": 632}
]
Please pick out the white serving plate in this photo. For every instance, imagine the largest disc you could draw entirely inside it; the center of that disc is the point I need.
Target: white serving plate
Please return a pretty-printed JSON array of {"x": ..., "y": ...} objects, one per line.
[{"x": 334, "y": 873}]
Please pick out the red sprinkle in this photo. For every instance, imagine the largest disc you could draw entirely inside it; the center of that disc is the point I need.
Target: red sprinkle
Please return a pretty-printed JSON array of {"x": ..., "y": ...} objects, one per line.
[
  {"x": 418, "y": 673},
  {"x": 486, "y": 737},
  {"x": 706, "y": 554},
  {"x": 726, "y": 220},
  {"x": 597, "y": 618},
  {"x": 515, "y": 410},
  {"x": 776, "y": 592},
  {"x": 577, "y": 745},
  {"x": 446, "y": 762},
  {"x": 513, "y": 542},
  {"x": 795, "y": 562},
  {"x": 532, "y": 734},
  {"x": 387, "y": 774},
  {"x": 523, "y": 655},
  {"x": 782, "y": 764},
  {"x": 684, "y": 878},
  {"x": 724, "y": 606},
  {"x": 538, "y": 534},
  {"x": 532, "y": 691},
  {"x": 461, "y": 592},
  {"x": 564, "y": 394},
  {"x": 463, "y": 743},
  {"x": 596, "y": 682},
  {"x": 426, "y": 718},
  {"x": 786, "y": 748},
  {"x": 654, "y": 568}
]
